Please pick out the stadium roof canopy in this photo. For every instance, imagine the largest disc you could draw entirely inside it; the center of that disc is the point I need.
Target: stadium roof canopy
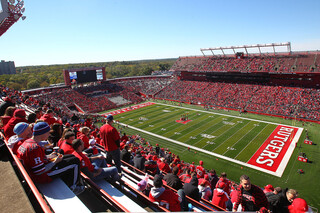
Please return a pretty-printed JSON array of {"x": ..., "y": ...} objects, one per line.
[{"x": 246, "y": 47}]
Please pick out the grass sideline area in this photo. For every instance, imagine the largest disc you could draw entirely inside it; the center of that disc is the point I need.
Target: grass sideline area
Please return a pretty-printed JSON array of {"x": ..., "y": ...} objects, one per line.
[{"x": 162, "y": 121}]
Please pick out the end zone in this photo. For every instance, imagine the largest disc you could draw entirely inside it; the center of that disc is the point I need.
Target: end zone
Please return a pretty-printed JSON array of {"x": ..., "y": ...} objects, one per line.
[
  {"x": 127, "y": 109},
  {"x": 274, "y": 154}
]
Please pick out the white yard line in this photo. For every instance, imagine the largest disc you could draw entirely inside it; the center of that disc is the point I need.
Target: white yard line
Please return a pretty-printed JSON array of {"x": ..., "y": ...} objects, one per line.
[
  {"x": 281, "y": 167},
  {"x": 215, "y": 113},
  {"x": 239, "y": 139},
  {"x": 251, "y": 141},
  {"x": 230, "y": 135}
]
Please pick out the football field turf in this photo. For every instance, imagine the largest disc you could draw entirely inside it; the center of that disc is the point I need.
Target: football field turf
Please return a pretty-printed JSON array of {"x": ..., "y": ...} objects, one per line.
[
  {"x": 157, "y": 124},
  {"x": 239, "y": 140}
]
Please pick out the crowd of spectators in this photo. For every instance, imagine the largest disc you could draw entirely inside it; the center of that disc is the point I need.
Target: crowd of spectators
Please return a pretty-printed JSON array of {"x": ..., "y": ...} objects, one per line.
[
  {"x": 293, "y": 102},
  {"x": 265, "y": 63},
  {"x": 74, "y": 136},
  {"x": 198, "y": 183},
  {"x": 95, "y": 98}
]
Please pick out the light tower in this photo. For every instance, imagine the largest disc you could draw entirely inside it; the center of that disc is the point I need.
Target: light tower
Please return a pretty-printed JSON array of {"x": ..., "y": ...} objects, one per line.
[{"x": 11, "y": 12}]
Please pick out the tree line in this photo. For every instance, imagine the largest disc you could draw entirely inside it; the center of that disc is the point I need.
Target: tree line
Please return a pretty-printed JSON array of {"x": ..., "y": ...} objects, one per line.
[{"x": 29, "y": 77}]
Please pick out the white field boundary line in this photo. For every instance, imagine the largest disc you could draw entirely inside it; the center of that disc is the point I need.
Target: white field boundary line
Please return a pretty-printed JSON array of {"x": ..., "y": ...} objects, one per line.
[
  {"x": 215, "y": 113},
  {"x": 278, "y": 173}
]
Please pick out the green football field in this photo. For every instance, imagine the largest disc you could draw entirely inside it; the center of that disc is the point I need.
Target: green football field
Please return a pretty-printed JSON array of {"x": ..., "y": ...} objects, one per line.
[
  {"x": 221, "y": 139},
  {"x": 234, "y": 137}
]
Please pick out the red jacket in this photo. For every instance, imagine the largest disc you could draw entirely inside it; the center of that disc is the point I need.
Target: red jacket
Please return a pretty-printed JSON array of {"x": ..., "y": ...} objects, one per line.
[
  {"x": 8, "y": 128},
  {"x": 227, "y": 182},
  {"x": 67, "y": 148},
  {"x": 85, "y": 140},
  {"x": 166, "y": 198},
  {"x": 220, "y": 198},
  {"x": 5, "y": 120},
  {"x": 163, "y": 166},
  {"x": 49, "y": 119},
  {"x": 84, "y": 161}
]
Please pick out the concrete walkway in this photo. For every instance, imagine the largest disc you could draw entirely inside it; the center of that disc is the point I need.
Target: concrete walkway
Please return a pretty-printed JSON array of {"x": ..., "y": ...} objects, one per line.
[{"x": 12, "y": 195}]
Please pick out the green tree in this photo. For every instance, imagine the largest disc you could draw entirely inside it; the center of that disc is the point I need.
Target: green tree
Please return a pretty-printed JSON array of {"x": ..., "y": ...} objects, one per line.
[
  {"x": 33, "y": 84},
  {"x": 164, "y": 67},
  {"x": 147, "y": 71},
  {"x": 15, "y": 86}
]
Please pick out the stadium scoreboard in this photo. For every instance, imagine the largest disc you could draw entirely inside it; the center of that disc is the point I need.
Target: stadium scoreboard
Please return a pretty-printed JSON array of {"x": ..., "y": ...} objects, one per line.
[{"x": 84, "y": 75}]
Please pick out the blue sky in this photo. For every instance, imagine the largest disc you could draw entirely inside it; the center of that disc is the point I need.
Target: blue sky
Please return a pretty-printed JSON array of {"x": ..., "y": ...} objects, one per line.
[{"x": 79, "y": 31}]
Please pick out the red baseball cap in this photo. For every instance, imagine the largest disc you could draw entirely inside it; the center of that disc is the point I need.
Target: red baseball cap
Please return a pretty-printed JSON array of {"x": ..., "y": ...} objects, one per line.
[
  {"x": 201, "y": 162},
  {"x": 221, "y": 185},
  {"x": 268, "y": 188},
  {"x": 298, "y": 205}
]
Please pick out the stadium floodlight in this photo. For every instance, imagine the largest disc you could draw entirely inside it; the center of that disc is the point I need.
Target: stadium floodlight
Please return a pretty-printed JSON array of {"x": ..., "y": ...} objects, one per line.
[
  {"x": 16, "y": 16},
  {"x": 19, "y": 0},
  {"x": 20, "y": 4},
  {"x": 23, "y": 9},
  {"x": 12, "y": 1},
  {"x": 23, "y": 17}
]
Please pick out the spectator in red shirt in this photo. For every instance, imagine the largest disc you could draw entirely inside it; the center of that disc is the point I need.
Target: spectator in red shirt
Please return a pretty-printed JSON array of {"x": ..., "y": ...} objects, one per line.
[
  {"x": 192, "y": 167},
  {"x": 223, "y": 178},
  {"x": 124, "y": 137},
  {"x": 200, "y": 170},
  {"x": 110, "y": 139},
  {"x": 19, "y": 115},
  {"x": 186, "y": 175},
  {"x": 165, "y": 197},
  {"x": 84, "y": 134},
  {"x": 62, "y": 139},
  {"x": 163, "y": 166},
  {"x": 43, "y": 168},
  {"x": 48, "y": 117},
  {"x": 299, "y": 205},
  {"x": 66, "y": 145},
  {"x": 220, "y": 197}
]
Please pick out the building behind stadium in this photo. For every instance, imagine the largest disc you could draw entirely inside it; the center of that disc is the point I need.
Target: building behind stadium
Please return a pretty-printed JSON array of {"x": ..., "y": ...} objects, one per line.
[{"x": 7, "y": 67}]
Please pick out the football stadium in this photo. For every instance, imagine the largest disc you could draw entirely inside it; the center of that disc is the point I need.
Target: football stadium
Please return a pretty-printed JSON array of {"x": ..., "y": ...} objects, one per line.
[{"x": 233, "y": 129}]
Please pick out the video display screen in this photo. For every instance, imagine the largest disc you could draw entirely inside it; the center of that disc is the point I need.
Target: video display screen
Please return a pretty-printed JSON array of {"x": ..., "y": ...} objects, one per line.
[{"x": 85, "y": 76}]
